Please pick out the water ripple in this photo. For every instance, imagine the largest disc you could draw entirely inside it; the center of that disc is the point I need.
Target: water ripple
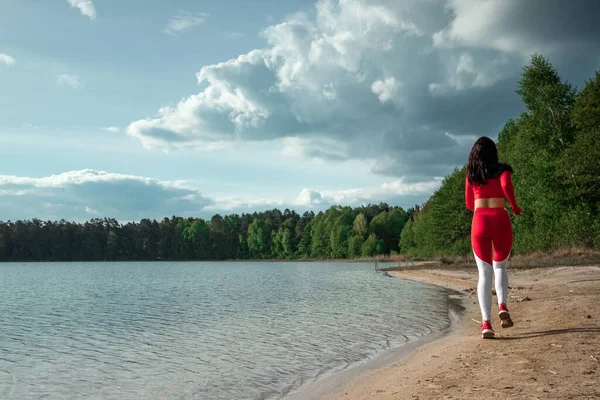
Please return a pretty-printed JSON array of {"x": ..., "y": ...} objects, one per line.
[{"x": 198, "y": 330}]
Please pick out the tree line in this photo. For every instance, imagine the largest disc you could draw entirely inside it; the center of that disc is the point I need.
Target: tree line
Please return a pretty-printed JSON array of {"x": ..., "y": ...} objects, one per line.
[
  {"x": 554, "y": 149},
  {"x": 339, "y": 232}
]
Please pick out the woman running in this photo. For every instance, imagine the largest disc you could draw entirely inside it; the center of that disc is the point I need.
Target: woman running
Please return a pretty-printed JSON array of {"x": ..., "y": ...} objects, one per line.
[{"x": 488, "y": 182}]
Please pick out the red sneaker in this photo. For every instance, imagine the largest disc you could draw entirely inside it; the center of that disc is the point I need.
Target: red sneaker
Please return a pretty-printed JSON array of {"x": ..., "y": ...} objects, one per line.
[
  {"x": 505, "y": 320},
  {"x": 486, "y": 330}
]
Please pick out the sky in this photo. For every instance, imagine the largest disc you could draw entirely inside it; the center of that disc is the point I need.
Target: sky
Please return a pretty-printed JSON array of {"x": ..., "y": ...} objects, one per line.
[{"x": 152, "y": 108}]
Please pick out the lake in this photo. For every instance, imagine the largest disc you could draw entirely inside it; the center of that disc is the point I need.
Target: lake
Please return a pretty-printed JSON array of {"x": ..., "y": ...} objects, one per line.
[{"x": 199, "y": 330}]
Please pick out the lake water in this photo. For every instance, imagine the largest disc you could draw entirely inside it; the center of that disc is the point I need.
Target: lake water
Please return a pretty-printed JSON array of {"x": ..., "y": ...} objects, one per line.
[{"x": 198, "y": 330}]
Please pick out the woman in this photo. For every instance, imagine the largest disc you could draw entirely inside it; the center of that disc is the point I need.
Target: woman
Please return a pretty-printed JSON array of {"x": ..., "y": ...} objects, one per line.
[{"x": 488, "y": 182}]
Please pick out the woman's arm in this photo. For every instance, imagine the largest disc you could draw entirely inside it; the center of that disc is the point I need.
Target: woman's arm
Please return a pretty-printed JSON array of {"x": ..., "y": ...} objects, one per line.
[
  {"x": 509, "y": 191},
  {"x": 469, "y": 197}
]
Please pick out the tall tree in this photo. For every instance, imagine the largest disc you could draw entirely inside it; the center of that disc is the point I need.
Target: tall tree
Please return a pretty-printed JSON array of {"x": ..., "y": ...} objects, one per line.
[
  {"x": 258, "y": 242},
  {"x": 360, "y": 226}
]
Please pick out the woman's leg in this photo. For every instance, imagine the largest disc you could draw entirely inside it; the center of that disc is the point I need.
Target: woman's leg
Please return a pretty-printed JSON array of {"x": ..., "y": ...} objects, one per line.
[
  {"x": 484, "y": 286},
  {"x": 501, "y": 279},
  {"x": 482, "y": 250},
  {"x": 502, "y": 238}
]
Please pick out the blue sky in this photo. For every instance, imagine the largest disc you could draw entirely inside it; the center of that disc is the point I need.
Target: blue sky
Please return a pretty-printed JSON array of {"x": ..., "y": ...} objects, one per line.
[{"x": 134, "y": 109}]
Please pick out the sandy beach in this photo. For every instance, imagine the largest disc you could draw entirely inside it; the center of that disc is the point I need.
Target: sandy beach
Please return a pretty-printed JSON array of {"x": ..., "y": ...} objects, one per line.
[{"x": 552, "y": 352}]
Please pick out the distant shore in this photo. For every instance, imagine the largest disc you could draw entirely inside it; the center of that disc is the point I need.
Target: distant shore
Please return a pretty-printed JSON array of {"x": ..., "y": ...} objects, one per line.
[
  {"x": 568, "y": 256},
  {"x": 551, "y": 352}
]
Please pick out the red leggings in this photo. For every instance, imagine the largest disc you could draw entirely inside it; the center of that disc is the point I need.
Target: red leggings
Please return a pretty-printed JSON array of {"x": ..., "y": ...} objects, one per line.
[{"x": 491, "y": 229}]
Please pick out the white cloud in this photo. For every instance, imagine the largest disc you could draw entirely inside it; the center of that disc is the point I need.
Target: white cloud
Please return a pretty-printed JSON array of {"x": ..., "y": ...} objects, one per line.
[
  {"x": 385, "y": 90},
  {"x": 237, "y": 204},
  {"x": 86, "y": 7},
  {"x": 184, "y": 21},
  {"x": 362, "y": 80},
  {"x": 309, "y": 197},
  {"x": 466, "y": 72},
  {"x": 390, "y": 192},
  {"x": 70, "y": 80},
  {"x": 298, "y": 82},
  {"x": 79, "y": 194},
  {"x": 7, "y": 60},
  {"x": 112, "y": 129},
  {"x": 472, "y": 21}
]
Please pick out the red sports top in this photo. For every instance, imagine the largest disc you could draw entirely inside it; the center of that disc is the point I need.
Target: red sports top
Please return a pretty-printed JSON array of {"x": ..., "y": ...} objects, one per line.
[{"x": 499, "y": 187}]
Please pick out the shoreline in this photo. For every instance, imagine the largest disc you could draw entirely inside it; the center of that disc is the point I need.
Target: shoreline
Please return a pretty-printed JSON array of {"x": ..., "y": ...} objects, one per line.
[
  {"x": 548, "y": 354},
  {"x": 572, "y": 256},
  {"x": 457, "y": 305}
]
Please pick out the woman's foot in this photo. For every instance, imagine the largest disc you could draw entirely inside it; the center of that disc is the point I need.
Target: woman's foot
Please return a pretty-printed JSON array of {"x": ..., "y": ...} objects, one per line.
[
  {"x": 505, "y": 320},
  {"x": 486, "y": 330}
]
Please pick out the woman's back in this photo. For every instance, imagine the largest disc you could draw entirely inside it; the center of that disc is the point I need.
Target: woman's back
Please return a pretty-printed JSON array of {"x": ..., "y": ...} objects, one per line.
[{"x": 494, "y": 188}]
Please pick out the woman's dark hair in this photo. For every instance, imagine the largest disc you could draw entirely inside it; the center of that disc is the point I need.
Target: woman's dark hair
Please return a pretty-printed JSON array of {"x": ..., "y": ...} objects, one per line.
[{"x": 483, "y": 162}]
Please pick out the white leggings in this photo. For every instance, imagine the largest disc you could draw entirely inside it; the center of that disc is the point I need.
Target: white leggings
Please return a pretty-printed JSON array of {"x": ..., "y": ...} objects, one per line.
[{"x": 484, "y": 287}]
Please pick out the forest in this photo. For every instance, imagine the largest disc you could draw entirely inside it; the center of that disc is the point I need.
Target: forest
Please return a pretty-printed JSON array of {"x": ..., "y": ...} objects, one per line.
[
  {"x": 339, "y": 232},
  {"x": 553, "y": 147}
]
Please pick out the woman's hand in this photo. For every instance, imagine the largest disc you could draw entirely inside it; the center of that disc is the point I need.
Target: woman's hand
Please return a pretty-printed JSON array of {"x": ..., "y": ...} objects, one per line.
[{"x": 516, "y": 210}]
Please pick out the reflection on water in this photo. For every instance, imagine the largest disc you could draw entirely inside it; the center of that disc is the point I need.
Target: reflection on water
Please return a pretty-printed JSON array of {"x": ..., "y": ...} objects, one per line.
[{"x": 198, "y": 330}]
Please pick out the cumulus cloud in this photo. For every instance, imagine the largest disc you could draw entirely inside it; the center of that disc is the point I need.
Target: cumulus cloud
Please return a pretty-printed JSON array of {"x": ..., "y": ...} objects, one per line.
[
  {"x": 466, "y": 72},
  {"x": 86, "y": 7},
  {"x": 292, "y": 88},
  {"x": 184, "y": 21},
  {"x": 87, "y": 193},
  {"x": 69, "y": 80},
  {"x": 390, "y": 192},
  {"x": 236, "y": 204},
  {"x": 386, "y": 89},
  {"x": 84, "y": 194},
  {"x": 407, "y": 84},
  {"x": 7, "y": 60},
  {"x": 309, "y": 197}
]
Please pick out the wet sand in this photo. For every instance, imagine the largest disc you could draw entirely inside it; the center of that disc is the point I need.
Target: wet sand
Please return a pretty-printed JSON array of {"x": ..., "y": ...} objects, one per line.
[{"x": 552, "y": 352}]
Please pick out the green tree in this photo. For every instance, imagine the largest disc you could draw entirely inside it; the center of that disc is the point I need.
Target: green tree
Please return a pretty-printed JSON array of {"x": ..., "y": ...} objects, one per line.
[
  {"x": 580, "y": 164},
  {"x": 533, "y": 145},
  {"x": 258, "y": 243},
  {"x": 360, "y": 226},
  {"x": 304, "y": 242},
  {"x": 579, "y": 168},
  {"x": 387, "y": 226},
  {"x": 111, "y": 246},
  {"x": 443, "y": 224},
  {"x": 2, "y": 246},
  {"x": 287, "y": 242},
  {"x": 320, "y": 237},
  {"x": 196, "y": 236},
  {"x": 380, "y": 247},
  {"x": 339, "y": 240},
  {"x": 276, "y": 245},
  {"x": 369, "y": 247},
  {"x": 407, "y": 238},
  {"x": 355, "y": 246}
]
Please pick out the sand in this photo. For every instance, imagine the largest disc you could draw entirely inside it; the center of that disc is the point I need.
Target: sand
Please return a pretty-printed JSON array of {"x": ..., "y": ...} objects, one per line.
[{"x": 552, "y": 352}]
